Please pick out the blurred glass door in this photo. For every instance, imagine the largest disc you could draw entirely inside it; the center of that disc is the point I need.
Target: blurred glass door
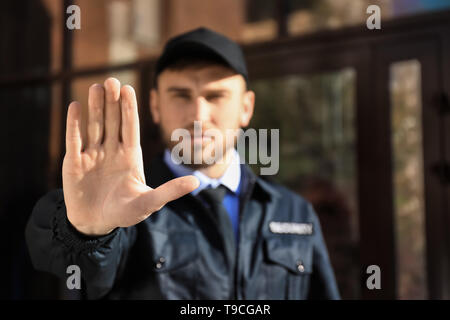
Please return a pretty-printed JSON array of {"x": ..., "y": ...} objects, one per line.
[
  {"x": 411, "y": 101},
  {"x": 315, "y": 114},
  {"x": 361, "y": 137}
]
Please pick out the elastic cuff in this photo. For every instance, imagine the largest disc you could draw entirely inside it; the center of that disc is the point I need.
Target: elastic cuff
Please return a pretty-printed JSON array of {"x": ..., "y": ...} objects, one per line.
[{"x": 64, "y": 231}]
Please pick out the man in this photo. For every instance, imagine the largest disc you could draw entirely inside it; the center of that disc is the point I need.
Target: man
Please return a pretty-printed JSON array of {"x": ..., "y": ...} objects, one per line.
[{"x": 198, "y": 230}]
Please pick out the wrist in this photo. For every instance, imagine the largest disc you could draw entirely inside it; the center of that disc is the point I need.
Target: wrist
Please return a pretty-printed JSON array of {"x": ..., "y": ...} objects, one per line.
[{"x": 90, "y": 231}]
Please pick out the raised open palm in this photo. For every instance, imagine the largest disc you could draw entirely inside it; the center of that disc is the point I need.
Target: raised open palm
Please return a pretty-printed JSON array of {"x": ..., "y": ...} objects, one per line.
[{"x": 103, "y": 177}]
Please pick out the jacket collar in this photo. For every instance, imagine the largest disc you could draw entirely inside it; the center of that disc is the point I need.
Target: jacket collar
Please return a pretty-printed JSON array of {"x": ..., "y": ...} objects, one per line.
[
  {"x": 158, "y": 173},
  {"x": 230, "y": 178}
]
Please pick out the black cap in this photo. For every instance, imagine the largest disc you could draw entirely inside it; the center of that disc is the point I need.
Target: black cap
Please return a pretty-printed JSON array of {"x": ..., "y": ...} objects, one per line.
[{"x": 203, "y": 42}]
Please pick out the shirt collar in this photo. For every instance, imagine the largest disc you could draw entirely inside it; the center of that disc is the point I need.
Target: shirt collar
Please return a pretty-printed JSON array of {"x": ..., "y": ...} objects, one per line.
[{"x": 230, "y": 179}]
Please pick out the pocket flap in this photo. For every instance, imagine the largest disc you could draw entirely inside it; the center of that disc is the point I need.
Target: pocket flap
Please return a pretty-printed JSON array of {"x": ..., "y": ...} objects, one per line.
[
  {"x": 290, "y": 252},
  {"x": 173, "y": 249}
]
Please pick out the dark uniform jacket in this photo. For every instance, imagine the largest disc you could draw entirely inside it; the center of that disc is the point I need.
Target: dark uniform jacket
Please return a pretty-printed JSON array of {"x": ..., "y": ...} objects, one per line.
[{"x": 179, "y": 252}]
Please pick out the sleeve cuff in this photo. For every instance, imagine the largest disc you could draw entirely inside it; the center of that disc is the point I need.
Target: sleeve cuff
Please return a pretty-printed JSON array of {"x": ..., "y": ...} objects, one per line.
[{"x": 71, "y": 237}]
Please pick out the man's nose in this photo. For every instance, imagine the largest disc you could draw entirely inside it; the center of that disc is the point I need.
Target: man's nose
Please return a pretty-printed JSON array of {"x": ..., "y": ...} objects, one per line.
[{"x": 202, "y": 109}]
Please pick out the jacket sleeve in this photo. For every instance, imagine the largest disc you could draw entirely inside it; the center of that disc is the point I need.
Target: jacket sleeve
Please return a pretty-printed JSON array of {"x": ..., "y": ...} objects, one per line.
[
  {"x": 323, "y": 282},
  {"x": 54, "y": 244}
]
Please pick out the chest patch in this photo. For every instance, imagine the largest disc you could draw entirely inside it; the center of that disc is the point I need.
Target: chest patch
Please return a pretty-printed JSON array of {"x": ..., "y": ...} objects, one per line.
[{"x": 291, "y": 228}]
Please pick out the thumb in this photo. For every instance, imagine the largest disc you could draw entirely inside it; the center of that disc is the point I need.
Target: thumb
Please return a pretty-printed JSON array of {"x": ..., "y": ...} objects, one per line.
[{"x": 155, "y": 199}]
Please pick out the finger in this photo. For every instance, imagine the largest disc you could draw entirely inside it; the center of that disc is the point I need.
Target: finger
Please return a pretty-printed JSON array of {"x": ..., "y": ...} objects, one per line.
[
  {"x": 130, "y": 117},
  {"x": 74, "y": 141},
  {"x": 155, "y": 199},
  {"x": 96, "y": 102},
  {"x": 112, "y": 112}
]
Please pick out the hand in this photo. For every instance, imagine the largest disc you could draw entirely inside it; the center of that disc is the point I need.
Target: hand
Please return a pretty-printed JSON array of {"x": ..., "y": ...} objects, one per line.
[{"x": 103, "y": 176}]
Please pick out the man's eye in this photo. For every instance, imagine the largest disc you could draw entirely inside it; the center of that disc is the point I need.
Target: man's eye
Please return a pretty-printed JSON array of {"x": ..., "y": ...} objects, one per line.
[
  {"x": 213, "y": 97},
  {"x": 182, "y": 96}
]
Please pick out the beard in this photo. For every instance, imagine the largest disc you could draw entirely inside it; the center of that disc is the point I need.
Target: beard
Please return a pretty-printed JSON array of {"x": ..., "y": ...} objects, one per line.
[{"x": 198, "y": 152}]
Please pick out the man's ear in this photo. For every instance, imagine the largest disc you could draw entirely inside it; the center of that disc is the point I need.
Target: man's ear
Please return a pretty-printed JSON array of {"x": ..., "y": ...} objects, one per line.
[
  {"x": 248, "y": 107},
  {"x": 154, "y": 105}
]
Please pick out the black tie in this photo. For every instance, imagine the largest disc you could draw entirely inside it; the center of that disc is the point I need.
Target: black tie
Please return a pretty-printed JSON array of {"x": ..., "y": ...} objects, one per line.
[{"x": 214, "y": 197}]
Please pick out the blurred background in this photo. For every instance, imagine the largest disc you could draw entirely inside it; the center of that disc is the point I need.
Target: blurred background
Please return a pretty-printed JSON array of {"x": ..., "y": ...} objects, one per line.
[{"x": 364, "y": 119}]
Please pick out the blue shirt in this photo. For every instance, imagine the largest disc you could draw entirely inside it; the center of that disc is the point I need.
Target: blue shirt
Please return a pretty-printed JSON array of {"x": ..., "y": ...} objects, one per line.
[{"x": 231, "y": 179}]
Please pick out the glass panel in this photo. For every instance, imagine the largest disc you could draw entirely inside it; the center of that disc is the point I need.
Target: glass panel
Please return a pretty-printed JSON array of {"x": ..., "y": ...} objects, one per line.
[
  {"x": 116, "y": 31},
  {"x": 315, "y": 115},
  {"x": 307, "y": 16},
  {"x": 55, "y": 11},
  {"x": 24, "y": 171},
  {"x": 260, "y": 23},
  {"x": 408, "y": 7},
  {"x": 26, "y": 35},
  {"x": 405, "y": 89}
]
